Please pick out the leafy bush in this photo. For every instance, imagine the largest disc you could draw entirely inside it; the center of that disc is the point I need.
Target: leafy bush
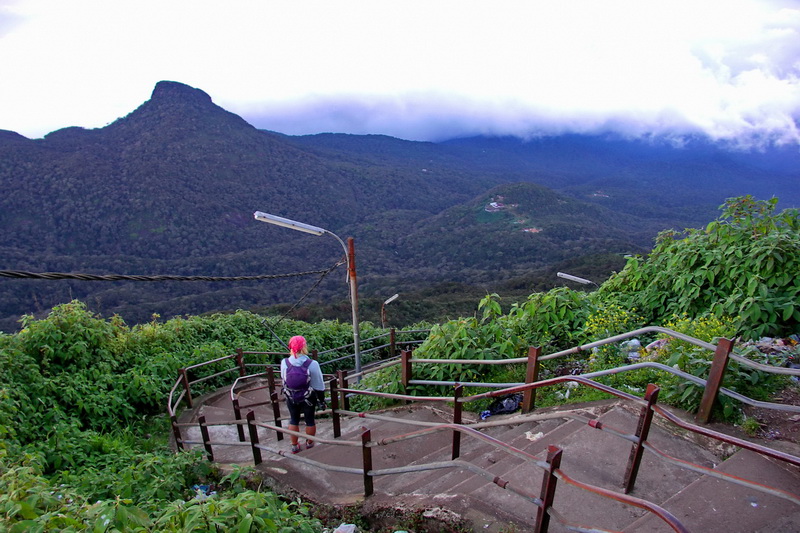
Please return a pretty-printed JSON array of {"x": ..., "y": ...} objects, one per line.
[
  {"x": 31, "y": 503},
  {"x": 604, "y": 322},
  {"x": 744, "y": 264},
  {"x": 72, "y": 338},
  {"x": 553, "y": 320},
  {"x": 143, "y": 478},
  {"x": 696, "y": 361},
  {"x": 246, "y": 511}
]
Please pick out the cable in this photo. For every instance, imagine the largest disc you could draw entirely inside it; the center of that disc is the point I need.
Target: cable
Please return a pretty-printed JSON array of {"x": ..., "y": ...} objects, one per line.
[
  {"x": 275, "y": 325},
  {"x": 19, "y": 274}
]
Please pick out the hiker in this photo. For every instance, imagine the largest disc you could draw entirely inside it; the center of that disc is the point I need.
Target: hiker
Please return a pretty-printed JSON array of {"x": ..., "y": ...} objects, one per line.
[{"x": 303, "y": 387}]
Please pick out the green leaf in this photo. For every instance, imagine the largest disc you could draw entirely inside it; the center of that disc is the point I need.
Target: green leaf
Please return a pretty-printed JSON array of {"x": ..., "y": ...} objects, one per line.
[
  {"x": 686, "y": 394},
  {"x": 245, "y": 524},
  {"x": 727, "y": 410},
  {"x": 26, "y": 526}
]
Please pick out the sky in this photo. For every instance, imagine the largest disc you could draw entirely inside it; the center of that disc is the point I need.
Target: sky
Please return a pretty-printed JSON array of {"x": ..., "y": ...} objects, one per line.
[{"x": 415, "y": 69}]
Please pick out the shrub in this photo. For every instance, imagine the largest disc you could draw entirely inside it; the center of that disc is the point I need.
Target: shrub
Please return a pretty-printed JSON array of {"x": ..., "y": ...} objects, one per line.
[
  {"x": 696, "y": 361},
  {"x": 744, "y": 264},
  {"x": 604, "y": 322}
]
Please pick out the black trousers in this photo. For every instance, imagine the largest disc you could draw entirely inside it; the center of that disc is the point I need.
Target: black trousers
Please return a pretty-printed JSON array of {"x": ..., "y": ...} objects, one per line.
[{"x": 304, "y": 408}]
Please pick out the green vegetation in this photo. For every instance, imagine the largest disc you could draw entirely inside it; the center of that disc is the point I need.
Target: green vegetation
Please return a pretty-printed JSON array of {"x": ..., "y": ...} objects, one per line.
[
  {"x": 83, "y": 436},
  {"x": 744, "y": 265},
  {"x": 736, "y": 278},
  {"x": 751, "y": 426}
]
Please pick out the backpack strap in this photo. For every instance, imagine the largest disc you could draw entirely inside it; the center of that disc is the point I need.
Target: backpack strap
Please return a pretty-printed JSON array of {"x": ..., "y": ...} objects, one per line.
[{"x": 305, "y": 365}]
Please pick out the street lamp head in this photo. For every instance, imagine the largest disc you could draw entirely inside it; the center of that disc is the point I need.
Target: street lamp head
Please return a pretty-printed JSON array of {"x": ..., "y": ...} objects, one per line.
[
  {"x": 576, "y": 279},
  {"x": 351, "y": 269},
  {"x": 286, "y": 223},
  {"x": 390, "y": 299}
]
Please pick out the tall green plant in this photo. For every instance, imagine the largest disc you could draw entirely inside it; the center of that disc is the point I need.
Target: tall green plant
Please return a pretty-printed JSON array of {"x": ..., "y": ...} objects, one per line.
[
  {"x": 552, "y": 319},
  {"x": 744, "y": 264}
]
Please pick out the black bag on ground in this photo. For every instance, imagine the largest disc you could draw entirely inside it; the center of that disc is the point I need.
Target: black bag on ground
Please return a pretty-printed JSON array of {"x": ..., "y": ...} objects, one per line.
[{"x": 503, "y": 405}]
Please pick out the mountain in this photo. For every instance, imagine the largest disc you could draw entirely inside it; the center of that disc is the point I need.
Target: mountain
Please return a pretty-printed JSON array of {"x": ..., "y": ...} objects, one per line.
[
  {"x": 631, "y": 172},
  {"x": 171, "y": 189},
  {"x": 653, "y": 178}
]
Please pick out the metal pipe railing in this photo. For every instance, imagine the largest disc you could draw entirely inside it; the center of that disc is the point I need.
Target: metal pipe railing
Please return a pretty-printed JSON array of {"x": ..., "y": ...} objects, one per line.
[
  {"x": 558, "y": 473},
  {"x": 628, "y": 368},
  {"x": 639, "y": 440}
]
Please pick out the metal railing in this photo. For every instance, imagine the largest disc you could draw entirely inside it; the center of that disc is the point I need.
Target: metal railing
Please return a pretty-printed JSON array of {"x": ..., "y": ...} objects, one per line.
[
  {"x": 340, "y": 394},
  {"x": 550, "y": 466},
  {"x": 241, "y": 361}
]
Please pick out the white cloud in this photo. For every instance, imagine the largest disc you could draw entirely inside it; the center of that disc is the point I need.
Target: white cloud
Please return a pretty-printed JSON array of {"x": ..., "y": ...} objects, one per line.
[{"x": 415, "y": 69}]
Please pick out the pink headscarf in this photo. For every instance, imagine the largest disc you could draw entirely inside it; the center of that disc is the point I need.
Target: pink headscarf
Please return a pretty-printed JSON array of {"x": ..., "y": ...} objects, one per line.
[{"x": 297, "y": 344}]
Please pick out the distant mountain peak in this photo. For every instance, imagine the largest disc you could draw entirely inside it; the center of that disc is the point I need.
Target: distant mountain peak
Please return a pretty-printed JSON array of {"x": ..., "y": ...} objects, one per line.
[
  {"x": 176, "y": 109},
  {"x": 172, "y": 91}
]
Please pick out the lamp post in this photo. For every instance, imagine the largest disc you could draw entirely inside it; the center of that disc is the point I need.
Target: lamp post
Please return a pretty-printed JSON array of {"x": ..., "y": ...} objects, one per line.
[
  {"x": 389, "y": 300},
  {"x": 349, "y": 252},
  {"x": 576, "y": 279}
]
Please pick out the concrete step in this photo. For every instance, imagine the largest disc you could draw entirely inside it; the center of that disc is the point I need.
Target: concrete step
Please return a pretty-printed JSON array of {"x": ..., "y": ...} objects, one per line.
[
  {"x": 711, "y": 504},
  {"x": 520, "y": 475},
  {"x": 589, "y": 455},
  {"x": 600, "y": 459},
  {"x": 430, "y": 482},
  {"x": 350, "y": 487},
  {"x": 439, "y": 488},
  {"x": 471, "y": 493},
  {"x": 499, "y": 462}
]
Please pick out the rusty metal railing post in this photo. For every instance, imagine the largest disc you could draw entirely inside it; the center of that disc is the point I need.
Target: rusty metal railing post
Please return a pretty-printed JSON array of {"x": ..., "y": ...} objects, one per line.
[
  {"x": 366, "y": 454},
  {"x": 642, "y": 431},
  {"x": 237, "y": 414},
  {"x": 548, "y": 492},
  {"x": 176, "y": 431},
  {"x": 185, "y": 380},
  {"x": 714, "y": 382},
  {"x": 457, "y": 419},
  {"x": 271, "y": 380},
  {"x": 531, "y": 376},
  {"x": 251, "y": 426},
  {"x": 313, "y": 354},
  {"x": 392, "y": 342},
  {"x": 206, "y": 438},
  {"x": 405, "y": 367},
  {"x": 273, "y": 398},
  {"x": 342, "y": 375},
  {"x": 276, "y": 414},
  {"x": 240, "y": 362},
  {"x": 337, "y": 424}
]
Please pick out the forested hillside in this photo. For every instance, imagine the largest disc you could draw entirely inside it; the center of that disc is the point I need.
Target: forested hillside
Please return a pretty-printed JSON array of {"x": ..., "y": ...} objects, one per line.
[
  {"x": 170, "y": 189},
  {"x": 83, "y": 436}
]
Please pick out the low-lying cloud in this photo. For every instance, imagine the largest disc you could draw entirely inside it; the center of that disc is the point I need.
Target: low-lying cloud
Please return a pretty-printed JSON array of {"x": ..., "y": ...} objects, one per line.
[{"x": 418, "y": 70}]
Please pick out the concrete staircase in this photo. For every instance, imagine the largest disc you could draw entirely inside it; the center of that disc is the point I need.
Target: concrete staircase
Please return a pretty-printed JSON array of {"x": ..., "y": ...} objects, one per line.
[{"x": 700, "y": 502}]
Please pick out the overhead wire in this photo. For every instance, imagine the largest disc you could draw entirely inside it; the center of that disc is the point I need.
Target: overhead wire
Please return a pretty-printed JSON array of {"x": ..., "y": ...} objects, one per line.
[{"x": 21, "y": 274}]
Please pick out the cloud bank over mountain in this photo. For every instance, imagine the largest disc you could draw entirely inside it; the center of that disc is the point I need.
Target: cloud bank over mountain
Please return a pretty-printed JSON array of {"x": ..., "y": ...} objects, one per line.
[{"x": 417, "y": 70}]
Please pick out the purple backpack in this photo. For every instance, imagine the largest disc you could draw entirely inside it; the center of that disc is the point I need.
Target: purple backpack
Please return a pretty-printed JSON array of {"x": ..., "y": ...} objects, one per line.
[{"x": 296, "y": 385}]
